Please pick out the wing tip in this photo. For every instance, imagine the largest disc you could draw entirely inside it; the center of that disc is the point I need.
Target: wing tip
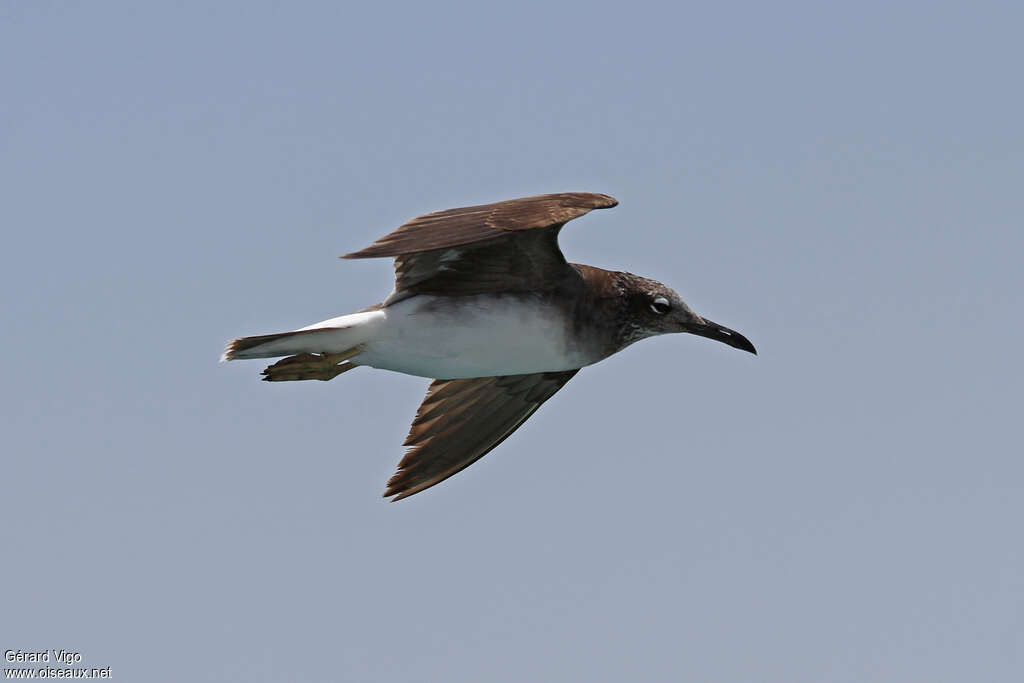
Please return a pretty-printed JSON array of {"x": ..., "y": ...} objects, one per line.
[
  {"x": 605, "y": 201},
  {"x": 362, "y": 253},
  {"x": 397, "y": 491}
]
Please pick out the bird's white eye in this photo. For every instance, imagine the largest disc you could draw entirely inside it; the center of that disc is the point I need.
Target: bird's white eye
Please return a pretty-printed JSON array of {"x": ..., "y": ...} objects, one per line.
[{"x": 660, "y": 305}]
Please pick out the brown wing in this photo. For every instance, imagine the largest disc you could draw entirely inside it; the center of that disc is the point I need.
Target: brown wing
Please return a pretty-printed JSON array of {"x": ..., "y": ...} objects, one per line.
[
  {"x": 457, "y": 227},
  {"x": 461, "y": 420},
  {"x": 502, "y": 247}
]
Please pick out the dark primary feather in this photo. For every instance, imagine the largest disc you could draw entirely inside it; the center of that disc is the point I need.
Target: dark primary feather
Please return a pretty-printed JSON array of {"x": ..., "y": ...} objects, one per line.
[{"x": 461, "y": 420}]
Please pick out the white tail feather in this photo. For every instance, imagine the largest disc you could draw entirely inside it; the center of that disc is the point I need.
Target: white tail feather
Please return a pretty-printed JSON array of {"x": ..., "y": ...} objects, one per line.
[{"x": 336, "y": 335}]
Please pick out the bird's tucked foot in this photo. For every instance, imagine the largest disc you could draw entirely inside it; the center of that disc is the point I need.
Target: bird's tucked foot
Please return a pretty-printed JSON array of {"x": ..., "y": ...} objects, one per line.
[{"x": 321, "y": 366}]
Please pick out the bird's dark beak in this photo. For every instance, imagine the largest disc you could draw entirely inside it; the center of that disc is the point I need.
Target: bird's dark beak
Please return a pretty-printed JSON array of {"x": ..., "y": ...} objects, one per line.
[{"x": 712, "y": 330}]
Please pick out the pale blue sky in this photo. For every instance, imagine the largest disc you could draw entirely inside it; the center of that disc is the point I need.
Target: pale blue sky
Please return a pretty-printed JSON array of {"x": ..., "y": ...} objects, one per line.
[{"x": 842, "y": 184}]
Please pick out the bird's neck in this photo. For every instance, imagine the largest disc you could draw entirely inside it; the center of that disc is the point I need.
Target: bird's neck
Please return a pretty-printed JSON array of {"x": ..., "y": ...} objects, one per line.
[{"x": 601, "y": 317}]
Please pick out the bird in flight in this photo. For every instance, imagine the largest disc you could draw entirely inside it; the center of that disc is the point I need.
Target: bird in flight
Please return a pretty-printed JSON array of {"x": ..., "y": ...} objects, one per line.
[{"x": 486, "y": 305}]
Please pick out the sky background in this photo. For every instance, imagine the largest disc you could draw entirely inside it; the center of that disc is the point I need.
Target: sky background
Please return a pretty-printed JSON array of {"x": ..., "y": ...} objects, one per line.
[{"x": 841, "y": 182}]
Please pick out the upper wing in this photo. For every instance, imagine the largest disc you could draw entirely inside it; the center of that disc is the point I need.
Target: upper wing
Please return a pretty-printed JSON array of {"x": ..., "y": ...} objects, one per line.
[
  {"x": 457, "y": 227},
  {"x": 507, "y": 246},
  {"x": 461, "y": 420}
]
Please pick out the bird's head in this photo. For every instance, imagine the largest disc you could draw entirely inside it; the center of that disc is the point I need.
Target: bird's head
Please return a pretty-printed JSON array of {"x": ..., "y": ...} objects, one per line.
[{"x": 654, "y": 308}]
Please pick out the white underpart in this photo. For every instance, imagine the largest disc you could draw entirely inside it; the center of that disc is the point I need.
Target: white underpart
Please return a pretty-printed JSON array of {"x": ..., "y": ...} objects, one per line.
[{"x": 451, "y": 337}]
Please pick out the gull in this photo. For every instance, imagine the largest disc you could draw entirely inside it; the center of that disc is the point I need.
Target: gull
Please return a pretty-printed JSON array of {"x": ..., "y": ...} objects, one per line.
[{"x": 485, "y": 305}]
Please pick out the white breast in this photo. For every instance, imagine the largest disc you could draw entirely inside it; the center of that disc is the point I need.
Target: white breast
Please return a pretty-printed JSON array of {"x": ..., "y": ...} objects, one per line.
[{"x": 470, "y": 336}]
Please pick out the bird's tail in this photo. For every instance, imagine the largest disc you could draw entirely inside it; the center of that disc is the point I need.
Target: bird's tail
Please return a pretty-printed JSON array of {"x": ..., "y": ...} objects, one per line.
[
  {"x": 280, "y": 344},
  {"x": 334, "y": 336},
  {"x": 321, "y": 351},
  {"x": 302, "y": 362}
]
